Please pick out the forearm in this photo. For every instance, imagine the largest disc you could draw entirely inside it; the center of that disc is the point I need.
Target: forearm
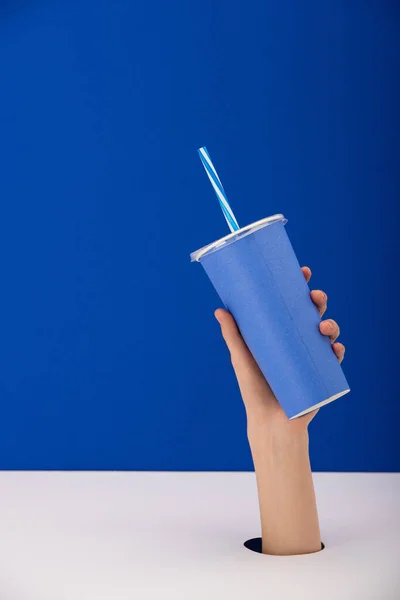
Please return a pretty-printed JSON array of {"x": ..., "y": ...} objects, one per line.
[{"x": 288, "y": 510}]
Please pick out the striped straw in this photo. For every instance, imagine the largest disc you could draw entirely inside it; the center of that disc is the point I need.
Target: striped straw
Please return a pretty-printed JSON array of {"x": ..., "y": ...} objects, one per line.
[{"x": 219, "y": 190}]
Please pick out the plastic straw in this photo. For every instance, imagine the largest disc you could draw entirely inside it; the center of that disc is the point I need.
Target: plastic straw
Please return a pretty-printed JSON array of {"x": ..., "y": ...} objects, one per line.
[{"x": 219, "y": 190}]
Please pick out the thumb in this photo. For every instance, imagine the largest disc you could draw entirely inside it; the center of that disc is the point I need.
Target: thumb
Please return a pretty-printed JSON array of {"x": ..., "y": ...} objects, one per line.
[
  {"x": 252, "y": 383},
  {"x": 240, "y": 354}
]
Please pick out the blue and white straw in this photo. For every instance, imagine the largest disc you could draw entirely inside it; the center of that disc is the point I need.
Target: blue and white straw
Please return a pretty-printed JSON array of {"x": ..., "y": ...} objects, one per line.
[{"x": 219, "y": 190}]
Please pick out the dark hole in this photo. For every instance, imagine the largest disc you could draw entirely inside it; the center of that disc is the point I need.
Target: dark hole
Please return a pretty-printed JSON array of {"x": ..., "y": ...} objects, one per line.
[{"x": 255, "y": 545}]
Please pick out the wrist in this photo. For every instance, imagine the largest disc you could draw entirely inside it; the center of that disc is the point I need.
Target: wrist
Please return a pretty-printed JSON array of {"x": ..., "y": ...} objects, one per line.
[{"x": 285, "y": 434}]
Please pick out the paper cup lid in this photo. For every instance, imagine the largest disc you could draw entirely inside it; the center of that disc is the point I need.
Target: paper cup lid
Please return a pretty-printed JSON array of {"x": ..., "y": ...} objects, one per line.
[{"x": 234, "y": 236}]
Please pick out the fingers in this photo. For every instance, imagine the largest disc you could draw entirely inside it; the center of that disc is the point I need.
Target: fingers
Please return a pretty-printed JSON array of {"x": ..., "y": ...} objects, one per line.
[
  {"x": 320, "y": 300},
  {"x": 307, "y": 273},
  {"x": 319, "y": 297},
  {"x": 339, "y": 350},
  {"x": 330, "y": 328},
  {"x": 240, "y": 354}
]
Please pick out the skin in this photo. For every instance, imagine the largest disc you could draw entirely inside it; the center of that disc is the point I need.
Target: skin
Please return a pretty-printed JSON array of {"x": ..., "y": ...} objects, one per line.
[{"x": 279, "y": 447}]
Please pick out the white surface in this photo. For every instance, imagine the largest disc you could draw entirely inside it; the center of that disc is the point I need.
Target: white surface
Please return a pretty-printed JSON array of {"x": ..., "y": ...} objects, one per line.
[{"x": 114, "y": 536}]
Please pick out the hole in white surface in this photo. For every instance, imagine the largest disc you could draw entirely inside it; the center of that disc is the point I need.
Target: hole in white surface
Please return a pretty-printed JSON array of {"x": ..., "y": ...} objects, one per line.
[{"x": 255, "y": 545}]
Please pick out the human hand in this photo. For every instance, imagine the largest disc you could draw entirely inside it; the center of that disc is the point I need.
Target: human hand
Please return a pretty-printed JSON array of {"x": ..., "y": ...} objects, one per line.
[{"x": 262, "y": 407}]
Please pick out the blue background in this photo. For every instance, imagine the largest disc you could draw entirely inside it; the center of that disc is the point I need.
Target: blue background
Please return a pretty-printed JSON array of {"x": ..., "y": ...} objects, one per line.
[{"x": 110, "y": 355}]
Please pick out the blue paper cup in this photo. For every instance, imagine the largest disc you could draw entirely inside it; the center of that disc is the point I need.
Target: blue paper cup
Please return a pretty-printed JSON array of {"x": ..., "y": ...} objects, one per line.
[{"x": 258, "y": 278}]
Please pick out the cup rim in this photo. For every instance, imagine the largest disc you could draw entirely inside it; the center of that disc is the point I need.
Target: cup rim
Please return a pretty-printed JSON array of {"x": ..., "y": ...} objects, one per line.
[{"x": 239, "y": 234}]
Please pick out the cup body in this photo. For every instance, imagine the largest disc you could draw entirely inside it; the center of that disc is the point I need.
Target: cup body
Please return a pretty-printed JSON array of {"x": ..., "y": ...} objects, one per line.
[{"x": 258, "y": 278}]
